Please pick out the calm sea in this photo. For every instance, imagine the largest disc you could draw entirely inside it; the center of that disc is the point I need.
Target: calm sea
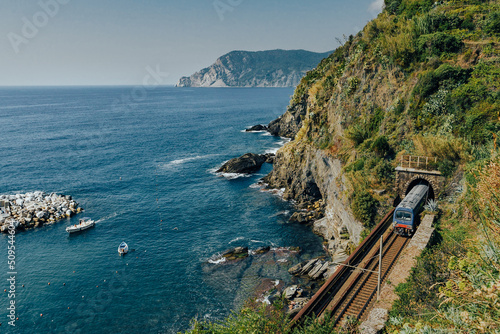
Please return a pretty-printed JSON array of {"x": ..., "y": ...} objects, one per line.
[{"x": 143, "y": 167}]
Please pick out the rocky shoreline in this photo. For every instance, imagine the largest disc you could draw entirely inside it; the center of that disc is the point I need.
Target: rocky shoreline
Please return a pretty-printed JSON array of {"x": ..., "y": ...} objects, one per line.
[
  {"x": 311, "y": 209},
  {"x": 35, "y": 209}
]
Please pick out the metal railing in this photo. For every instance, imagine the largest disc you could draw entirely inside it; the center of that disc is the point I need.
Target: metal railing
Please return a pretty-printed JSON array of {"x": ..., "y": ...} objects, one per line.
[{"x": 417, "y": 162}]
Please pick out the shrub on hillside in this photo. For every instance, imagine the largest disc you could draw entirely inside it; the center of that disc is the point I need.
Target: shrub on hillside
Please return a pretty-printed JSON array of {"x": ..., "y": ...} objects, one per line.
[
  {"x": 408, "y": 8},
  {"x": 357, "y": 133},
  {"x": 392, "y": 6},
  {"x": 439, "y": 22},
  {"x": 381, "y": 146},
  {"x": 364, "y": 208},
  {"x": 446, "y": 167},
  {"x": 444, "y": 75},
  {"x": 438, "y": 43},
  {"x": 492, "y": 23},
  {"x": 384, "y": 171}
]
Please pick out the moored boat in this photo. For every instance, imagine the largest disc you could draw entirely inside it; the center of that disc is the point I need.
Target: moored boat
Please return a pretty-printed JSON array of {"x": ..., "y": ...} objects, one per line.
[
  {"x": 123, "y": 248},
  {"x": 84, "y": 224}
]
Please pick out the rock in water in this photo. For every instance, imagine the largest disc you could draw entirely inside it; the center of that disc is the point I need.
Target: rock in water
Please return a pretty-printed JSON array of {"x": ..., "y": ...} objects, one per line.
[
  {"x": 258, "y": 127},
  {"x": 247, "y": 163},
  {"x": 295, "y": 269},
  {"x": 236, "y": 253},
  {"x": 262, "y": 250}
]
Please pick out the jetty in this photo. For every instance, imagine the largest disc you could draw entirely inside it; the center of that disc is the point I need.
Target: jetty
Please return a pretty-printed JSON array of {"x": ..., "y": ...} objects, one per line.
[{"x": 34, "y": 209}]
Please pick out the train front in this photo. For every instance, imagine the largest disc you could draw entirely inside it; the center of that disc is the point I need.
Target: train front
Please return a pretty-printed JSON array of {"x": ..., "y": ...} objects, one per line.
[{"x": 403, "y": 221}]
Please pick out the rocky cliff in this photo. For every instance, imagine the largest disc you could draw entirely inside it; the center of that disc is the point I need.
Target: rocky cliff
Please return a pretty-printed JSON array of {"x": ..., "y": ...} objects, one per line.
[
  {"x": 422, "y": 79},
  {"x": 274, "y": 68}
]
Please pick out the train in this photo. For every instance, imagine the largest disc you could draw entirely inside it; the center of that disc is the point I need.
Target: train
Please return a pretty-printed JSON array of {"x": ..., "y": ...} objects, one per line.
[{"x": 407, "y": 214}]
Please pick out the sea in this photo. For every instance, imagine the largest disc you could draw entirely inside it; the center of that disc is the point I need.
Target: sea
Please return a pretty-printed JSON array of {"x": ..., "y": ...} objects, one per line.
[{"x": 142, "y": 164}]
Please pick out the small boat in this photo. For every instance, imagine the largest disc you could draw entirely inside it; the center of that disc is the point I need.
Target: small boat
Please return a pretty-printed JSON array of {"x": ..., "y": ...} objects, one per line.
[
  {"x": 84, "y": 224},
  {"x": 123, "y": 248}
]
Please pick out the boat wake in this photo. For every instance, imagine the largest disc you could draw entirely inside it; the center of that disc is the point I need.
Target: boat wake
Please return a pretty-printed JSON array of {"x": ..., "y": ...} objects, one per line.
[{"x": 106, "y": 218}]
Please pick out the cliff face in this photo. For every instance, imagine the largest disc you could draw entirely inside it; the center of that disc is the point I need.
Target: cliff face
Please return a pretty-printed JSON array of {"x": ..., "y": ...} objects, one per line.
[
  {"x": 275, "y": 68},
  {"x": 417, "y": 80}
]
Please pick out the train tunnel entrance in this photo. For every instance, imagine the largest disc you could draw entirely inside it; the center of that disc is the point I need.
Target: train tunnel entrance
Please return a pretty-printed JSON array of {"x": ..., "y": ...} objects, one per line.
[
  {"x": 407, "y": 178},
  {"x": 418, "y": 181}
]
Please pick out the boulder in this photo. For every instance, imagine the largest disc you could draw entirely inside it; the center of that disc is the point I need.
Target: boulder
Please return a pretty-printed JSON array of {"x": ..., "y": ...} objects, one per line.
[
  {"x": 258, "y": 127},
  {"x": 318, "y": 270},
  {"x": 42, "y": 214},
  {"x": 300, "y": 217},
  {"x": 247, "y": 163},
  {"x": 295, "y": 269},
  {"x": 270, "y": 158},
  {"x": 290, "y": 292},
  {"x": 308, "y": 266}
]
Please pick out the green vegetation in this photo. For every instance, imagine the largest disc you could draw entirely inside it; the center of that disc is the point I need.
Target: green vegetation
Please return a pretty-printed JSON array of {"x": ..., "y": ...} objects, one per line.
[
  {"x": 364, "y": 207},
  {"x": 455, "y": 286},
  {"x": 260, "y": 318},
  {"x": 423, "y": 78}
]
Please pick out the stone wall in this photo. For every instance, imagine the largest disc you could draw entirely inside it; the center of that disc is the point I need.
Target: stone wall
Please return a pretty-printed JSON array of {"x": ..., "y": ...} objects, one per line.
[{"x": 405, "y": 177}]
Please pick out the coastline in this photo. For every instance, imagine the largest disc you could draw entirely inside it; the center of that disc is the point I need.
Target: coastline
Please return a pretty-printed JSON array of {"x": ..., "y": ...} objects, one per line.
[{"x": 306, "y": 276}]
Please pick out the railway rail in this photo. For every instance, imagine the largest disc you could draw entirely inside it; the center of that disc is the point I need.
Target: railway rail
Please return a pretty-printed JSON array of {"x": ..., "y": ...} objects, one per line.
[{"x": 352, "y": 289}]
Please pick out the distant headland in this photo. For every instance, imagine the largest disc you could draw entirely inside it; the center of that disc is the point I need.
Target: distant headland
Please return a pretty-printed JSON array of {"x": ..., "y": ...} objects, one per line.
[{"x": 273, "y": 68}]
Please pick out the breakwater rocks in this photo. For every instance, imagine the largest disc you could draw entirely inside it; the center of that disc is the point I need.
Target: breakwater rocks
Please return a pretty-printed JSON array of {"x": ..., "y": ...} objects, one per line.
[{"x": 35, "y": 209}]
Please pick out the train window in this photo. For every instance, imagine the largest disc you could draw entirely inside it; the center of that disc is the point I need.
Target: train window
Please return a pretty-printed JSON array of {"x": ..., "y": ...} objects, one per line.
[{"x": 402, "y": 215}]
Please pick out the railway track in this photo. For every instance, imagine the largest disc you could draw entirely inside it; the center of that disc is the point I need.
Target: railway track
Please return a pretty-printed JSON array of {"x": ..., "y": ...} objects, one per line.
[
  {"x": 363, "y": 287},
  {"x": 352, "y": 289}
]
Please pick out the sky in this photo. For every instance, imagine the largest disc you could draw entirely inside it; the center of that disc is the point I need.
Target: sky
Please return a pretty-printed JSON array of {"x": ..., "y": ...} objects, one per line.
[{"x": 133, "y": 42}]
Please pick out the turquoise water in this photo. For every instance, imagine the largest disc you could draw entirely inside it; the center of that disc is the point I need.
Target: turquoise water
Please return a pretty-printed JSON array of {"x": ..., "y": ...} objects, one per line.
[{"x": 144, "y": 169}]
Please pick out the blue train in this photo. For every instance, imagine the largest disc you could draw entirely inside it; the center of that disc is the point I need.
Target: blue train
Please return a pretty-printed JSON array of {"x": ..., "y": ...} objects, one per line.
[{"x": 407, "y": 213}]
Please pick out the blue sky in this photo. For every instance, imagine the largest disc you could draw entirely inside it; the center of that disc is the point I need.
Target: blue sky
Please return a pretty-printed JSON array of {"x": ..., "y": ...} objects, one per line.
[{"x": 115, "y": 42}]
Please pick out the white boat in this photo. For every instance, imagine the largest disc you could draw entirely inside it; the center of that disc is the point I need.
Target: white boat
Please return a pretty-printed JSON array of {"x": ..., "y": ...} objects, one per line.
[
  {"x": 84, "y": 224},
  {"x": 123, "y": 248}
]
